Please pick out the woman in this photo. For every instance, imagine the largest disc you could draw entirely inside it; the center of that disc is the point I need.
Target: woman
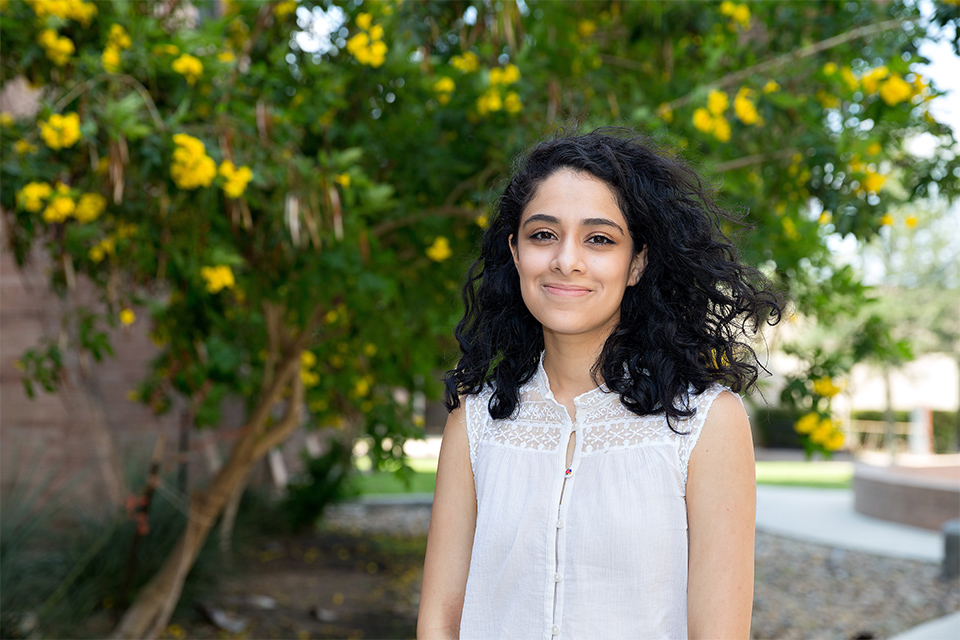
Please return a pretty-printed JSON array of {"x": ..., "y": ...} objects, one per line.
[{"x": 595, "y": 479}]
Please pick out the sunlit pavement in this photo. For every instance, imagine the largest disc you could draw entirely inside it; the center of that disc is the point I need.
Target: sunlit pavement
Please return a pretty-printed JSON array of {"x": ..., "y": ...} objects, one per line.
[{"x": 826, "y": 516}]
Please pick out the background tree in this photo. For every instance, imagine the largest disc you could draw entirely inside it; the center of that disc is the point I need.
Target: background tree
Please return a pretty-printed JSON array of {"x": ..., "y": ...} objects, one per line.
[{"x": 288, "y": 192}]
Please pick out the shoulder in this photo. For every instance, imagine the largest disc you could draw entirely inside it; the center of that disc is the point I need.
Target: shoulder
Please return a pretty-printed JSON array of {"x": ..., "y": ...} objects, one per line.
[{"x": 725, "y": 436}]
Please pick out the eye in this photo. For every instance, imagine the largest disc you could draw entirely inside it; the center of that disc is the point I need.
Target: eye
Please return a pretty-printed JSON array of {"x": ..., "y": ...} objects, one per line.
[
  {"x": 542, "y": 235},
  {"x": 599, "y": 239}
]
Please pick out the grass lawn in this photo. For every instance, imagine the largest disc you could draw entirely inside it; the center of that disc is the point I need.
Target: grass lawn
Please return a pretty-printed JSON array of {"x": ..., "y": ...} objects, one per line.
[{"x": 818, "y": 475}]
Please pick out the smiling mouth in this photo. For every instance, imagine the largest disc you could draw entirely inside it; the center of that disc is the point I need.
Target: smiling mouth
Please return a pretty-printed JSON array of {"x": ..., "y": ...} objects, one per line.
[{"x": 566, "y": 290}]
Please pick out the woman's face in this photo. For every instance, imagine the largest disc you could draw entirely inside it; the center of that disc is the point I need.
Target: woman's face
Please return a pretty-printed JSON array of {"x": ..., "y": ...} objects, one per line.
[{"x": 575, "y": 256}]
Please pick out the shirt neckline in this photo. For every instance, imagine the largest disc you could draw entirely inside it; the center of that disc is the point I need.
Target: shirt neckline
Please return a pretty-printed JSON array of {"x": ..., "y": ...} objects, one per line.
[{"x": 584, "y": 400}]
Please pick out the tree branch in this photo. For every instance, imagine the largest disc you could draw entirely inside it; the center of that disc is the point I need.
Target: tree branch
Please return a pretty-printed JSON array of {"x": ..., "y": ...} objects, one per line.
[
  {"x": 779, "y": 61},
  {"x": 289, "y": 423},
  {"x": 746, "y": 161},
  {"x": 390, "y": 225}
]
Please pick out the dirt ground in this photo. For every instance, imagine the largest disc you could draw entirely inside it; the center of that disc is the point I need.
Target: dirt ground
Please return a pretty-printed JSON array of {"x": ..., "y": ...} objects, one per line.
[{"x": 326, "y": 584}]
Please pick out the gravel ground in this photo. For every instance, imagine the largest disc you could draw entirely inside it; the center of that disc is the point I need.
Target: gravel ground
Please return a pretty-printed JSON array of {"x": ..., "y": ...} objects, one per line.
[{"x": 803, "y": 590}]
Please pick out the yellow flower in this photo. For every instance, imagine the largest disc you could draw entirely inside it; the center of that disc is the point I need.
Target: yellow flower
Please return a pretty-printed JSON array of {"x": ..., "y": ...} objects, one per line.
[
  {"x": 771, "y": 86},
  {"x": 830, "y": 68},
  {"x": 489, "y": 101},
  {"x": 807, "y": 423},
  {"x": 886, "y": 220},
  {"x": 118, "y": 37},
  {"x": 823, "y": 432},
  {"x": 361, "y": 387},
  {"x": 189, "y": 67},
  {"x": 78, "y": 10},
  {"x": 874, "y": 149},
  {"x": 466, "y": 63},
  {"x": 218, "y": 278},
  {"x": 23, "y": 147},
  {"x": 895, "y": 90},
  {"x": 331, "y": 316},
  {"x": 586, "y": 28},
  {"x": 367, "y": 45},
  {"x": 512, "y": 103},
  {"x": 126, "y": 230},
  {"x": 308, "y": 359},
  {"x": 310, "y": 378},
  {"x": 364, "y": 20},
  {"x": 717, "y": 102},
  {"x": 444, "y": 85},
  {"x": 721, "y": 129},
  {"x": 99, "y": 251},
  {"x": 741, "y": 15},
  {"x": 237, "y": 178},
  {"x": 89, "y": 207},
  {"x": 166, "y": 49},
  {"x": 825, "y": 218},
  {"x": 59, "y": 209},
  {"x": 191, "y": 167},
  {"x": 60, "y": 131},
  {"x": 790, "y": 229},
  {"x": 342, "y": 179},
  {"x": 665, "y": 113},
  {"x": 702, "y": 120},
  {"x": 745, "y": 109},
  {"x": 439, "y": 250},
  {"x": 727, "y": 8},
  {"x": 826, "y": 387},
  {"x": 911, "y": 221},
  {"x": 872, "y": 181},
  {"x": 849, "y": 78},
  {"x": 505, "y": 76},
  {"x": 834, "y": 442},
  {"x": 127, "y": 317},
  {"x": 483, "y": 221},
  {"x": 33, "y": 194},
  {"x": 6, "y": 119},
  {"x": 110, "y": 59},
  {"x": 285, "y": 8},
  {"x": 370, "y": 349},
  {"x": 58, "y": 48},
  {"x": 828, "y": 101},
  {"x": 226, "y": 56},
  {"x": 871, "y": 79}
]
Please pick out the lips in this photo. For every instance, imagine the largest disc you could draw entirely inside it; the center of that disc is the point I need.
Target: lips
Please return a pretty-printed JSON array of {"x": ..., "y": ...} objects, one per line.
[{"x": 566, "y": 290}]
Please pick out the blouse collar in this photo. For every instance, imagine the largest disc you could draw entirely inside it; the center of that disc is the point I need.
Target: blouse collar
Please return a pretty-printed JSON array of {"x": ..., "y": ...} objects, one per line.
[{"x": 585, "y": 400}]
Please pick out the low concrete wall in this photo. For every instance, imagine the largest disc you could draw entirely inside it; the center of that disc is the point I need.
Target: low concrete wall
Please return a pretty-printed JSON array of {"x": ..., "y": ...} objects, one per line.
[{"x": 924, "y": 493}]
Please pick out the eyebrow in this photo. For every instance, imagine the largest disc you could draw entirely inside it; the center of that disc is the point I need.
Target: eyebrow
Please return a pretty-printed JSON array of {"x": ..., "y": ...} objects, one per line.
[{"x": 586, "y": 222}]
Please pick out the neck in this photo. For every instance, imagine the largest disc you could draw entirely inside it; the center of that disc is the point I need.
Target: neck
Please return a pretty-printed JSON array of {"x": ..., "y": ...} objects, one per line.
[{"x": 568, "y": 361}]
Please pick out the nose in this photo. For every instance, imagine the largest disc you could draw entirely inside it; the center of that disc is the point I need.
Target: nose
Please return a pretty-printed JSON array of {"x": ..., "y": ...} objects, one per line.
[{"x": 569, "y": 257}]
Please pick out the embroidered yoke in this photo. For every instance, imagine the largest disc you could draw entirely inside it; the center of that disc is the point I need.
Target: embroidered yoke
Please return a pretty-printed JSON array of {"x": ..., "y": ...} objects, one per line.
[{"x": 594, "y": 550}]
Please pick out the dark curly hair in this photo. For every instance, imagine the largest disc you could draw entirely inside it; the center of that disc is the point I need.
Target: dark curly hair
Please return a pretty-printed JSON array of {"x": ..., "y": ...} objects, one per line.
[{"x": 684, "y": 325}]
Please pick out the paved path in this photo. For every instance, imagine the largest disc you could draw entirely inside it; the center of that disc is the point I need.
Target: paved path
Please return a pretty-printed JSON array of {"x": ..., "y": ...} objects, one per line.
[{"x": 826, "y": 516}]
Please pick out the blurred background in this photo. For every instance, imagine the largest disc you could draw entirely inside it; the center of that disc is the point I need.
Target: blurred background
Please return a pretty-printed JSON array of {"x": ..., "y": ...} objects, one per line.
[{"x": 234, "y": 236}]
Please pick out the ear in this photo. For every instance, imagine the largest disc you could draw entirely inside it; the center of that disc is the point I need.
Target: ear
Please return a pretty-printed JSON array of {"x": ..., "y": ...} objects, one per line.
[
  {"x": 637, "y": 266},
  {"x": 513, "y": 250}
]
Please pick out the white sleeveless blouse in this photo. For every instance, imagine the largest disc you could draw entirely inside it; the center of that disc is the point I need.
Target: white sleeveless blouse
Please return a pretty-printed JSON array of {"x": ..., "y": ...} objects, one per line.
[{"x": 594, "y": 550}]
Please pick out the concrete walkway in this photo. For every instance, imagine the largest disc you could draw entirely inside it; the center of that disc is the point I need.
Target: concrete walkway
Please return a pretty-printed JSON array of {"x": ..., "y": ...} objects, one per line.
[{"x": 826, "y": 516}]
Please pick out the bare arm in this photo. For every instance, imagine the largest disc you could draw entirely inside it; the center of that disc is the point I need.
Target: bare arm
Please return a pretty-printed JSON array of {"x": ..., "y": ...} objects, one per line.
[
  {"x": 450, "y": 540},
  {"x": 721, "y": 516}
]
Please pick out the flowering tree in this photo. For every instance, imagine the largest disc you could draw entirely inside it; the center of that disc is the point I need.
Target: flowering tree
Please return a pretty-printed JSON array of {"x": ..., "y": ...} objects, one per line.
[{"x": 288, "y": 191}]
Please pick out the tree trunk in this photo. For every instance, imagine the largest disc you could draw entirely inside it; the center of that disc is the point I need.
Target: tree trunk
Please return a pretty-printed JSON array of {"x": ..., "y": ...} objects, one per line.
[
  {"x": 151, "y": 611},
  {"x": 149, "y": 614}
]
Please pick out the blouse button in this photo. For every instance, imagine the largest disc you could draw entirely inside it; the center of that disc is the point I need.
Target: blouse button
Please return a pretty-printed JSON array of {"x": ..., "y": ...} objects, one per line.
[
  {"x": 559, "y": 524},
  {"x": 557, "y": 577},
  {"x": 555, "y": 630}
]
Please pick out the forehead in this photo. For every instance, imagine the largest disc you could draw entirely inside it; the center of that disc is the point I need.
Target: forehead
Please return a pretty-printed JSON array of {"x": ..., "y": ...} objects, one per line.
[{"x": 574, "y": 195}]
